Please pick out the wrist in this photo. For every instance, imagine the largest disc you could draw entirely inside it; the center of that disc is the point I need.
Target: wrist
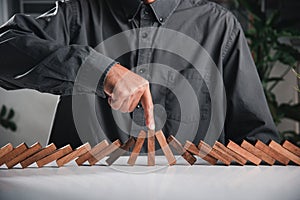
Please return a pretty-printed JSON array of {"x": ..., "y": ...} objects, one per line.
[{"x": 114, "y": 74}]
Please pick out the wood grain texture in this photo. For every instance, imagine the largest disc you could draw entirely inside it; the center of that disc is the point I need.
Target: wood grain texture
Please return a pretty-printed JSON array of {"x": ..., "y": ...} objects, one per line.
[
  {"x": 246, "y": 154},
  {"x": 73, "y": 155},
  {"x": 39, "y": 155},
  {"x": 271, "y": 152},
  {"x": 165, "y": 147},
  {"x": 189, "y": 146},
  {"x": 54, "y": 156},
  {"x": 277, "y": 147},
  {"x": 219, "y": 155},
  {"x": 26, "y": 154},
  {"x": 258, "y": 153},
  {"x": 237, "y": 157},
  {"x": 137, "y": 148},
  {"x": 99, "y": 147},
  {"x": 181, "y": 150},
  {"x": 6, "y": 149},
  {"x": 105, "y": 152},
  {"x": 292, "y": 148},
  {"x": 14, "y": 153},
  {"x": 121, "y": 151},
  {"x": 151, "y": 148}
]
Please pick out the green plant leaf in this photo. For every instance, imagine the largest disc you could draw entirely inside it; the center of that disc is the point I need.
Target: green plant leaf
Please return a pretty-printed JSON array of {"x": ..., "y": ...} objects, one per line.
[
  {"x": 11, "y": 114},
  {"x": 3, "y": 111},
  {"x": 291, "y": 111},
  {"x": 13, "y": 126}
]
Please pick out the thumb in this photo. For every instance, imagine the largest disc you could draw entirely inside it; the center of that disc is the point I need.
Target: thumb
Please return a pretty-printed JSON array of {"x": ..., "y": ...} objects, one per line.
[{"x": 147, "y": 104}]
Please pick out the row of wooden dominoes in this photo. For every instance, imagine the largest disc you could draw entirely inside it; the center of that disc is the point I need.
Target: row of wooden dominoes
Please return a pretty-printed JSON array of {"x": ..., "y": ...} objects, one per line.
[{"x": 242, "y": 154}]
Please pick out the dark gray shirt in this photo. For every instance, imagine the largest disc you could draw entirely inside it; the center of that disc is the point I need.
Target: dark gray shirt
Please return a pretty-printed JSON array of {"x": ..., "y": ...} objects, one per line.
[{"x": 47, "y": 53}]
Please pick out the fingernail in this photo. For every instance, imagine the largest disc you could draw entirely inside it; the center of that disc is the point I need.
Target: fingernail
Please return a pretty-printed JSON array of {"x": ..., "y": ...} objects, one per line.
[{"x": 152, "y": 126}]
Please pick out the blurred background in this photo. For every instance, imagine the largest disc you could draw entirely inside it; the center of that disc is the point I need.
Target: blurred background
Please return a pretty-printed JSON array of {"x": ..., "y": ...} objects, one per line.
[{"x": 273, "y": 31}]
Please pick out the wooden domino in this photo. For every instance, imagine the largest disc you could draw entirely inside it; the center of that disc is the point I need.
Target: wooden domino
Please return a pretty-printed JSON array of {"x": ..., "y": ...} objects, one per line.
[
  {"x": 54, "y": 156},
  {"x": 181, "y": 150},
  {"x": 165, "y": 147},
  {"x": 99, "y": 147},
  {"x": 73, "y": 155},
  {"x": 258, "y": 153},
  {"x": 189, "y": 146},
  {"x": 151, "y": 147},
  {"x": 137, "y": 148},
  {"x": 219, "y": 155},
  {"x": 271, "y": 152},
  {"x": 27, "y": 153},
  {"x": 291, "y": 147},
  {"x": 6, "y": 149},
  {"x": 277, "y": 147},
  {"x": 105, "y": 152},
  {"x": 39, "y": 155},
  {"x": 246, "y": 154},
  {"x": 237, "y": 157},
  {"x": 121, "y": 151},
  {"x": 12, "y": 154}
]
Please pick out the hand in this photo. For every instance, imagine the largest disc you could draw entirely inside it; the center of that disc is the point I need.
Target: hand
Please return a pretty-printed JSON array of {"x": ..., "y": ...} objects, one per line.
[{"x": 126, "y": 89}]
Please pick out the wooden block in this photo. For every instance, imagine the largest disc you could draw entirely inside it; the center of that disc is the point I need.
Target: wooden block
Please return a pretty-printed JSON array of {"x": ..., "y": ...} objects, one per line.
[
  {"x": 277, "y": 147},
  {"x": 219, "y": 155},
  {"x": 237, "y": 157},
  {"x": 39, "y": 155},
  {"x": 54, "y": 156},
  {"x": 165, "y": 147},
  {"x": 271, "y": 152},
  {"x": 151, "y": 148},
  {"x": 27, "y": 153},
  {"x": 189, "y": 146},
  {"x": 105, "y": 152},
  {"x": 6, "y": 149},
  {"x": 99, "y": 147},
  {"x": 181, "y": 150},
  {"x": 137, "y": 148},
  {"x": 258, "y": 153},
  {"x": 75, "y": 154},
  {"x": 249, "y": 156},
  {"x": 12, "y": 154},
  {"x": 121, "y": 151},
  {"x": 292, "y": 148}
]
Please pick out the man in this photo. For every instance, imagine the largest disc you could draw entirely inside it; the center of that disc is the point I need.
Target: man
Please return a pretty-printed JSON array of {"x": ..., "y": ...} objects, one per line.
[{"x": 47, "y": 54}]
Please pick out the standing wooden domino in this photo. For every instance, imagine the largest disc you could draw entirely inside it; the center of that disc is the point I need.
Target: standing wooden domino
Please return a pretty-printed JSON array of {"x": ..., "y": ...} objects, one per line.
[
  {"x": 219, "y": 155},
  {"x": 182, "y": 151},
  {"x": 151, "y": 147},
  {"x": 246, "y": 154},
  {"x": 6, "y": 149},
  {"x": 121, "y": 151},
  {"x": 189, "y": 146},
  {"x": 277, "y": 147},
  {"x": 237, "y": 157},
  {"x": 105, "y": 152},
  {"x": 291, "y": 147},
  {"x": 137, "y": 148},
  {"x": 260, "y": 154},
  {"x": 271, "y": 152},
  {"x": 165, "y": 147},
  {"x": 73, "y": 155},
  {"x": 54, "y": 156},
  {"x": 12, "y": 154},
  {"x": 99, "y": 147},
  {"x": 27, "y": 153}
]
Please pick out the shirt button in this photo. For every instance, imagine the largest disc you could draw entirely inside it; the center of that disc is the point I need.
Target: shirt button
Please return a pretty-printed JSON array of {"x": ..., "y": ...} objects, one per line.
[
  {"x": 145, "y": 35},
  {"x": 138, "y": 106},
  {"x": 141, "y": 71},
  {"x": 146, "y": 12},
  {"x": 161, "y": 19}
]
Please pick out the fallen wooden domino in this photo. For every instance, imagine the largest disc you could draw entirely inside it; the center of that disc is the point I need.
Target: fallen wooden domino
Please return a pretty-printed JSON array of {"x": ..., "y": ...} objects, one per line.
[
  {"x": 6, "y": 149},
  {"x": 73, "y": 155},
  {"x": 258, "y": 153},
  {"x": 271, "y": 152},
  {"x": 181, "y": 150},
  {"x": 151, "y": 147},
  {"x": 121, "y": 151},
  {"x": 292, "y": 148},
  {"x": 237, "y": 157},
  {"x": 12, "y": 154},
  {"x": 246, "y": 154},
  {"x": 27, "y": 153},
  {"x": 219, "y": 155},
  {"x": 105, "y": 152},
  {"x": 137, "y": 148},
  {"x": 277, "y": 147},
  {"x": 189, "y": 146},
  {"x": 99, "y": 147},
  {"x": 54, "y": 156},
  {"x": 165, "y": 147}
]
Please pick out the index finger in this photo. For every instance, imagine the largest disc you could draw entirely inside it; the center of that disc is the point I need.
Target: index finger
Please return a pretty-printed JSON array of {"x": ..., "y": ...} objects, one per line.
[{"x": 147, "y": 104}]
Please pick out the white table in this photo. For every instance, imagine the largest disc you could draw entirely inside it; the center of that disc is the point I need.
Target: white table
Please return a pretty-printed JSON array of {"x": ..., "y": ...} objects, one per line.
[{"x": 181, "y": 182}]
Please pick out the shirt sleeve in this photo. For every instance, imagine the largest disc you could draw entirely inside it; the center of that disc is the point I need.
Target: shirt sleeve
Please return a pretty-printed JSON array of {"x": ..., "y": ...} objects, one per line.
[
  {"x": 38, "y": 54},
  {"x": 248, "y": 115}
]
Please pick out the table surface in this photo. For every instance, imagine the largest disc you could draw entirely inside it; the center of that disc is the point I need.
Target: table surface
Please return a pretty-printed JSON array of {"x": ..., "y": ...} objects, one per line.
[{"x": 201, "y": 181}]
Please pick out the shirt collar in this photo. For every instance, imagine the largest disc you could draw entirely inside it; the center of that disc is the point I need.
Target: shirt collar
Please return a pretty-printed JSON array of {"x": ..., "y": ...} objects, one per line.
[{"x": 162, "y": 9}]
